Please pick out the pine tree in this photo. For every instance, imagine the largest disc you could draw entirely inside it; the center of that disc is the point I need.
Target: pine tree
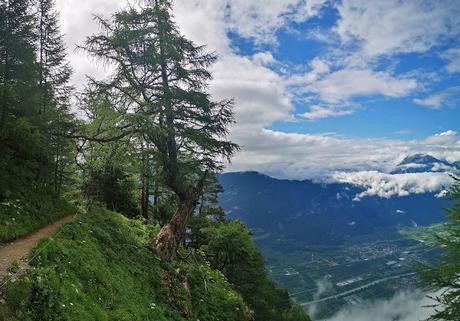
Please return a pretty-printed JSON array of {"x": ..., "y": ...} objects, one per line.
[{"x": 160, "y": 82}]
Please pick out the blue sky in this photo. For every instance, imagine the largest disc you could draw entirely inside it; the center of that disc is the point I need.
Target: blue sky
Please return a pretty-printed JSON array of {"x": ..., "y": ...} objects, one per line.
[{"x": 408, "y": 116}]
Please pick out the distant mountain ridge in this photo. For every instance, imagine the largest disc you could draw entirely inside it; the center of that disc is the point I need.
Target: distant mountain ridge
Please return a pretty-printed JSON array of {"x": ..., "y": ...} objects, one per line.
[
  {"x": 320, "y": 213},
  {"x": 419, "y": 163}
]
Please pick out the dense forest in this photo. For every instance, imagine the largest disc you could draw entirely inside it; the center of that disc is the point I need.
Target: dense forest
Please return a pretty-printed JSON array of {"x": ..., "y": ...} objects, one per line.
[{"x": 147, "y": 142}]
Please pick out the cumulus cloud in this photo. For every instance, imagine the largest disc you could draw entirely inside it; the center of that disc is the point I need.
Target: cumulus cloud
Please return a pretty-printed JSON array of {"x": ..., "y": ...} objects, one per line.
[
  {"x": 389, "y": 185},
  {"x": 395, "y": 26},
  {"x": 317, "y": 68},
  {"x": 368, "y": 31},
  {"x": 259, "y": 92},
  {"x": 404, "y": 306},
  {"x": 260, "y": 20}
]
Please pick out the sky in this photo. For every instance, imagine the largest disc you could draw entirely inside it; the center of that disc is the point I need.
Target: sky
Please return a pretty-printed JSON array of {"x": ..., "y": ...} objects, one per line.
[{"x": 321, "y": 87}]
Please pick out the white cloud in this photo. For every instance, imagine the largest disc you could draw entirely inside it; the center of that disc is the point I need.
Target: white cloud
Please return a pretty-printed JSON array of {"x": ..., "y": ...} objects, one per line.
[
  {"x": 303, "y": 156},
  {"x": 318, "y": 112},
  {"x": 317, "y": 66},
  {"x": 261, "y": 19},
  {"x": 404, "y": 306},
  {"x": 341, "y": 85},
  {"x": 323, "y": 286},
  {"x": 369, "y": 30},
  {"x": 438, "y": 100},
  {"x": 77, "y": 22},
  {"x": 449, "y": 133},
  {"x": 434, "y": 101},
  {"x": 453, "y": 57},
  {"x": 395, "y": 26},
  {"x": 389, "y": 185},
  {"x": 259, "y": 93}
]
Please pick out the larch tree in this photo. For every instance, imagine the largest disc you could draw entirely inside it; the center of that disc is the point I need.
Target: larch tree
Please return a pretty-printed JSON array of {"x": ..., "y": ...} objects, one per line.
[
  {"x": 445, "y": 274},
  {"x": 160, "y": 82}
]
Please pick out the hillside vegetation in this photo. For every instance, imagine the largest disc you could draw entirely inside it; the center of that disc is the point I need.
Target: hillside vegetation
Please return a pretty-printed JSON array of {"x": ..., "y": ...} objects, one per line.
[
  {"x": 149, "y": 146},
  {"x": 23, "y": 215},
  {"x": 99, "y": 267}
]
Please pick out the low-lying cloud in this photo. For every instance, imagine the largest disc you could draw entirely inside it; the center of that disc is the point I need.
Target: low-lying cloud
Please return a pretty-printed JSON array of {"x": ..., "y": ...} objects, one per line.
[
  {"x": 319, "y": 156},
  {"x": 389, "y": 185},
  {"x": 404, "y": 306}
]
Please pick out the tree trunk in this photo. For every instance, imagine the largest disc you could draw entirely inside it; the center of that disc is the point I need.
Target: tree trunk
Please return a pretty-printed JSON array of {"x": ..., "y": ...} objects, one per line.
[
  {"x": 167, "y": 242},
  {"x": 145, "y": 198}
]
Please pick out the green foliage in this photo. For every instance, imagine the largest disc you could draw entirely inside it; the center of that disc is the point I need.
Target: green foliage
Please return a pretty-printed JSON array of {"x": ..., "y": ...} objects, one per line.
[
  {"x": 35, "y": 158},
  {"x": 21, "y": 146},
  {"x": 232, "y": 251},
  {"x": 21, "y": 216},
  {"x": 99, "y": 268},
  {"x": 113, "y": 188},
  {"x": 108, "y": 169},
  {"x": 444, "y": 275},
  {"x": 14, "y": 267}
]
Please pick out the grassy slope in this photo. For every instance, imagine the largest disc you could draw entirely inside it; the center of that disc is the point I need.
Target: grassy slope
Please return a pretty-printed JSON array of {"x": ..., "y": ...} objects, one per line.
[
  {"x": 19, "y": 217},
  {"x": 99, "y": 268}
]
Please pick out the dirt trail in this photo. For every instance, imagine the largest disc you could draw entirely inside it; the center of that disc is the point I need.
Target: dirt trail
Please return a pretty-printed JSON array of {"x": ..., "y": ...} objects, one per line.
[{"x": 20, "y": 248}]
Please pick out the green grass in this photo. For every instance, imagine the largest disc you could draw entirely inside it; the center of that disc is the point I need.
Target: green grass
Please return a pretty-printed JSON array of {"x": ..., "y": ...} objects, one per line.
[
  {"x": 100, "y": 268},
  {"x": 428, "y": 234},
  {"x": 19, "y": 217}
]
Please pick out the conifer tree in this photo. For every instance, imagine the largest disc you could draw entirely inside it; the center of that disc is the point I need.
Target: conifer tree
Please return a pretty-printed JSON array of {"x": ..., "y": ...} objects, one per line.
[
  {"x": 160, "y": 82},
  {"x": 445, "y": 274},
  {"x": 53, "y": 82},
  {"x": 17, "y": 61},
  {"x": 54, "y": 69}
]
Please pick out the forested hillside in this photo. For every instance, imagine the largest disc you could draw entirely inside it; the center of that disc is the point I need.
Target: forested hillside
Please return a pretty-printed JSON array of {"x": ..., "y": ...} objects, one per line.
[
  {"x": 148, "y": 141},
  {"x": 321, "y": 213}
]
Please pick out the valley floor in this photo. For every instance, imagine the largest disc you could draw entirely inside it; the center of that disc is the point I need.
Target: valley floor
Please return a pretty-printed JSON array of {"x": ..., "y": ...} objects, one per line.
[{"x": 327, "y": 279}]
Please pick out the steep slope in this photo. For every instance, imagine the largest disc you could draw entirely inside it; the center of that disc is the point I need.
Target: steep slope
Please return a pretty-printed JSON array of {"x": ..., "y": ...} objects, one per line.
[
  {"x": 99, "y": 268},
  {"x": 319, "y": 213},
  {"x": 19, "y": 249},
  {"x": 27, "y": 211}
]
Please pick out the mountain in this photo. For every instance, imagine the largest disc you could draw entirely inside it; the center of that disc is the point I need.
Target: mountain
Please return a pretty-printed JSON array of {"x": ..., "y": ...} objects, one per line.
[
  {"x": 420, "y": 163},
  {"x": 319, "y": 213}
]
